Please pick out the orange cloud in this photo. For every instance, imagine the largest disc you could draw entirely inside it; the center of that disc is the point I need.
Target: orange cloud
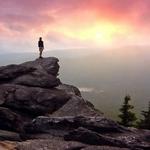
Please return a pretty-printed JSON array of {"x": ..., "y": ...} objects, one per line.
[{"x": 74, "y": 22}]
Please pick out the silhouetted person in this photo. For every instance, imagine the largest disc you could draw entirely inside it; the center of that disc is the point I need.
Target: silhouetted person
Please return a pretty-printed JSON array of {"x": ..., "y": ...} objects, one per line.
[{"x": 41, "y": 47}]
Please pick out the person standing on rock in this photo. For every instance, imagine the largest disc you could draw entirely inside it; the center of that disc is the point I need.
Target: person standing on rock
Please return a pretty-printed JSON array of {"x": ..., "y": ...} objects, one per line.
[{"x": 41, "y": 47}]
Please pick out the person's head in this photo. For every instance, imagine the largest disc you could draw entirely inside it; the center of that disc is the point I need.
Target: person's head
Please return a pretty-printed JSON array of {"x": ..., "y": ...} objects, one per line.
[{"x": 40, "y": 38}]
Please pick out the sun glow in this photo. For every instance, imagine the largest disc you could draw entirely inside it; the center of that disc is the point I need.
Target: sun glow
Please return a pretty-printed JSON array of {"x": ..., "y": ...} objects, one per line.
[
  {"x": 106, "y": 32},
  {"x": 97, "y": 33}
]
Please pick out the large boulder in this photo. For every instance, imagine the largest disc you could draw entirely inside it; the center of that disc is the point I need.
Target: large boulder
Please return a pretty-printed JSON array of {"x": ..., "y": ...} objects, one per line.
[
  {"x": 70, "y": 89},
  {"x": 130, "y": 140},
  {"x": 90, "y": 137},
  {"x": 76, "y": 105},
  {"x": 37, "y": 79},
  {"x": 65, "y": 124},
  {"x": 47, "y": 65},
  {"x": 38, "y": 73},
  {"x": 32, "y": 100},
  {"x": 10, "y": 72}
]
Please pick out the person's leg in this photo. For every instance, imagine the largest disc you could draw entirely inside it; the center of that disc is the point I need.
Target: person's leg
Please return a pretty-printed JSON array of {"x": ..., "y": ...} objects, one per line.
[{"x": 40, "y": 50}]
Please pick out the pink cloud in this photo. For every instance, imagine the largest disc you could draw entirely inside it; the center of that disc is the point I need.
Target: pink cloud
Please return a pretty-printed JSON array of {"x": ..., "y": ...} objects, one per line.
[
  {"x": 19, "y": 17},
  {"x": 32, "y": 12}
]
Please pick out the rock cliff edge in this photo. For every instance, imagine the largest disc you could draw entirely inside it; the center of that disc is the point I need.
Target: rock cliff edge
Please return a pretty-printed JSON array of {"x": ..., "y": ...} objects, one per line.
[{"x": 39, "y": 112}]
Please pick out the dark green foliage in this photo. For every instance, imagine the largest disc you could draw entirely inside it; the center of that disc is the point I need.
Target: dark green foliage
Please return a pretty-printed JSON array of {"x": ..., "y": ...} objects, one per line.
[
  {"x": 145, "y": 122},
  {"x": 127, "y": 116}
]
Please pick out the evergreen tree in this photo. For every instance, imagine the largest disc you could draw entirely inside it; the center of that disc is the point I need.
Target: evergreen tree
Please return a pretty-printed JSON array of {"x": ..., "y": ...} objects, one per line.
[
  {"x": 127, "y": 116},
  {"x": 145, "y": 123}
]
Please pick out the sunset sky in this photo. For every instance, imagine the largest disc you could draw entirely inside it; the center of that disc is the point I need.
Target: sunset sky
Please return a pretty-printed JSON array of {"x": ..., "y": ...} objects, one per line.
[{"x": 73, "y": 24}]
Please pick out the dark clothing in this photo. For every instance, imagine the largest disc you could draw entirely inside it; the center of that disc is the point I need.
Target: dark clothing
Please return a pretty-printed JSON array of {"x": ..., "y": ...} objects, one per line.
[{"x": 40, "y": 44}]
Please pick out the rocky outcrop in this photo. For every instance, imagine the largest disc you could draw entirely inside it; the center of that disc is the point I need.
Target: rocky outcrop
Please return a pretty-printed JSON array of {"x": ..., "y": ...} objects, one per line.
[
  {"x": 39, "y": 73},
  {"x": 97, "y": 124},
  {"x": 84, "y": 135},
  {"x": 29, "y": 90},
  {"x": 96, "y": 130},
  {"x": 76, "y": 106},
  {"x": 90, "y": 137},
  {"x": 32, "y": 100},
  {"x": 35, "y": 106}
]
